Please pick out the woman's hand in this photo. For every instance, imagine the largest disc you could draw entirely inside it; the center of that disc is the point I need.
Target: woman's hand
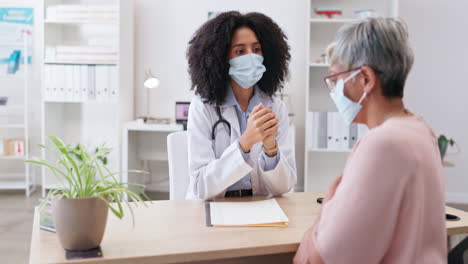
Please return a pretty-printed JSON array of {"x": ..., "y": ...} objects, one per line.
[
  {"x": 269, "y": 142},
  {"x": 259, "y": 125}
]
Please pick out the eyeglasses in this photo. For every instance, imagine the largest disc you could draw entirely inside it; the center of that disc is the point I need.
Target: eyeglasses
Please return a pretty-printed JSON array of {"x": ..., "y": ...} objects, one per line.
[{"x": 330, "y": 80}]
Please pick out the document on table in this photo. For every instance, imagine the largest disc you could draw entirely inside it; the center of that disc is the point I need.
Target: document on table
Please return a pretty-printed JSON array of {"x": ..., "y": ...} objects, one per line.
[{"x": 249, "y": 213}]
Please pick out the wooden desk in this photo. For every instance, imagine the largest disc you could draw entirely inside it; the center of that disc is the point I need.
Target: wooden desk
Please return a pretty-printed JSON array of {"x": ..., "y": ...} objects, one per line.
[
  {"x": 175, "y": 232},
  {"x": 457, "y": 227}
]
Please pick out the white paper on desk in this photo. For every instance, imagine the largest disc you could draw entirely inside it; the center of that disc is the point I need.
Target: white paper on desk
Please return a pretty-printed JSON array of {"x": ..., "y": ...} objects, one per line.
[{"x": 249, "y": 213}]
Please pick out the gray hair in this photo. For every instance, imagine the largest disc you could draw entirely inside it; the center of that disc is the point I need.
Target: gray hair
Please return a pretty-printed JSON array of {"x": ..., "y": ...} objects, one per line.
[{"x": 380, "y": 43}]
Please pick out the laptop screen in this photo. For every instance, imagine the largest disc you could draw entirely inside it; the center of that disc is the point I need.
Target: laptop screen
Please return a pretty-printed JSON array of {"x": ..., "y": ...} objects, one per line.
[{"x": 182, "y": 109}]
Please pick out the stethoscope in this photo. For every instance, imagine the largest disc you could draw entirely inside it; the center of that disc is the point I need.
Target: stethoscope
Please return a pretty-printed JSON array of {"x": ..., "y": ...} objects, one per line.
[{"x": 221, "y": 120}]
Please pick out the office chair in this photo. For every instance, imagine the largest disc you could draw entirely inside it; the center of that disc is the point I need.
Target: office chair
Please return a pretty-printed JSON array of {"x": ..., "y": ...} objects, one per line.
[{"x": 177, "y": 151}]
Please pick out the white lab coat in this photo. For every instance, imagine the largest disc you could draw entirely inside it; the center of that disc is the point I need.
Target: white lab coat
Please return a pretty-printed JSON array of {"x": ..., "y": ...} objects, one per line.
[{"x": 216, "y": 165}]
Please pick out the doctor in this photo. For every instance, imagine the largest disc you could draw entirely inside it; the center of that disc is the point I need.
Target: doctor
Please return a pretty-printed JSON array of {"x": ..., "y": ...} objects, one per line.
[{"x": 239, "y": 143}]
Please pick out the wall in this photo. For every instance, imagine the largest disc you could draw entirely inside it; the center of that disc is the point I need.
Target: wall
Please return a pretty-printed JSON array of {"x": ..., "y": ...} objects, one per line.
[
  {"x": 437, "y": 86},
  {"x": 163, "y": 29}
]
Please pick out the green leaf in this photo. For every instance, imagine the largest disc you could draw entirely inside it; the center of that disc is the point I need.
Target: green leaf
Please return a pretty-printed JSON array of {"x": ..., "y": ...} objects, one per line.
[{"x": 87, "y": 175}]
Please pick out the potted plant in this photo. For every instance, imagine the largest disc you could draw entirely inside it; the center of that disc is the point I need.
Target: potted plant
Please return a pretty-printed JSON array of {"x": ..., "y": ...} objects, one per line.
[
  {"x": 444, "y": 142},
  {"x": 88, "y": 190}
]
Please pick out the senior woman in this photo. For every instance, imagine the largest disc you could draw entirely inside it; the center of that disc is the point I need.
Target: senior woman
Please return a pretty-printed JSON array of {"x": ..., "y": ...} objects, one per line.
[{"x": 388, "y": 204}]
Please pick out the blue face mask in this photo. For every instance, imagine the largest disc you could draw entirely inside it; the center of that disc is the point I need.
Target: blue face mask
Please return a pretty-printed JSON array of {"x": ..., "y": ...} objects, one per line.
[
  {"x": 346, "y": 107},
  {"x": 247, "y": 69}
]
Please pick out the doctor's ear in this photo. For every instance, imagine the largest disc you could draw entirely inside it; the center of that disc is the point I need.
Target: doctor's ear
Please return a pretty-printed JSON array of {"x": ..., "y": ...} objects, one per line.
[{"x": 369, "y": 80}]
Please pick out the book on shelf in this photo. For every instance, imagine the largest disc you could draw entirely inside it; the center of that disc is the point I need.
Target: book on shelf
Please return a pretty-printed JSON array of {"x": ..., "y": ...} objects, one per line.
[
  {"x": 84, "y": 82},
  {"x": 82, "y": 54},
  {"x": 327, "y": 131},
  {"x": 82, "y": 13},
  {"x": 333, "y": 140},
  {"x": 68, "y": 83},
  {"x": 61, "y": 81},
  {"x": 76, "y": 76},
  {"x": 114, "y": 84},
  {"x": 91, "y": 82},
  {"x": 102, "y": 83},
  {"x": 80, "y": 83}
]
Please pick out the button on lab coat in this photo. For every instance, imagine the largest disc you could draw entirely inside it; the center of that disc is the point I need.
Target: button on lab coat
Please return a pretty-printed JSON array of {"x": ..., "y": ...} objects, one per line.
[{"x": 214, "y": 165}]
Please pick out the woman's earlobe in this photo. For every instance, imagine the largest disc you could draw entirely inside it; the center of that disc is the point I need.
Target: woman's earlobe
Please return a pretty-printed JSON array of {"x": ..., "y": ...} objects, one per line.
[{"x": 369, "y": 87}]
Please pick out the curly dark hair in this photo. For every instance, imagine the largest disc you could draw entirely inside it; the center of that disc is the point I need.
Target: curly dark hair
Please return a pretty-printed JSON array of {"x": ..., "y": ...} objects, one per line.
[{"x": 208, "y": 54}]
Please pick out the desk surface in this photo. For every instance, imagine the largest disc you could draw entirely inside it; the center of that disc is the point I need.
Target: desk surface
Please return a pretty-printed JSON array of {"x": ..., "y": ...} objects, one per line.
[
  {"x": 140, "y": 126},
  {"x": 457, "y": 227},
  {"x": 175, "y": 231}
]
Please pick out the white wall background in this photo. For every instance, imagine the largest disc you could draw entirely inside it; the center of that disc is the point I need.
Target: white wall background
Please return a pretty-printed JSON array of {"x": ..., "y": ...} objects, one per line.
[{"x": 437, "y": 87}]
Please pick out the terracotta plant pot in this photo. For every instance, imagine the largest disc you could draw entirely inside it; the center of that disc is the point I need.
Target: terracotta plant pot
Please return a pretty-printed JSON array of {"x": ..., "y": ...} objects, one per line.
[{"x": 80, "y": 222}]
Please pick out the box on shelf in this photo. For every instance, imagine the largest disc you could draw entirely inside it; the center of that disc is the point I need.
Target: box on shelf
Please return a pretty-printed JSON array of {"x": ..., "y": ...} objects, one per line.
[
  {"x": 328, "y": 12},
  {"x": 13, "y": 147}
]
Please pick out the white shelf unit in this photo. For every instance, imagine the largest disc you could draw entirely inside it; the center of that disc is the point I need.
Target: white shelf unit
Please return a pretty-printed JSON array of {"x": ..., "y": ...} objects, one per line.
[
  {"x": 13, "y": 126},
  {"x": 15, "y": 121},
  {"x": 16, "y": 185},
  {"x": 324, "y": 165},
  {"x": 89, "y": 121},
  {"x": 12, "y": 157}
]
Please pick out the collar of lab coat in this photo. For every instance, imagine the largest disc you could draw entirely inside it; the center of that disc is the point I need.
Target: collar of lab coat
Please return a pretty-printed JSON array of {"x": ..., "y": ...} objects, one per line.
[
  {"x": 258, "y": 97},
  {"x": 228, "y": 107}
]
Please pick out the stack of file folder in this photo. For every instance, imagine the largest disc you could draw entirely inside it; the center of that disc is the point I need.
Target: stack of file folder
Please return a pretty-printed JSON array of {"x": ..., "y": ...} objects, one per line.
[{"x": 80, "y": 83}]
